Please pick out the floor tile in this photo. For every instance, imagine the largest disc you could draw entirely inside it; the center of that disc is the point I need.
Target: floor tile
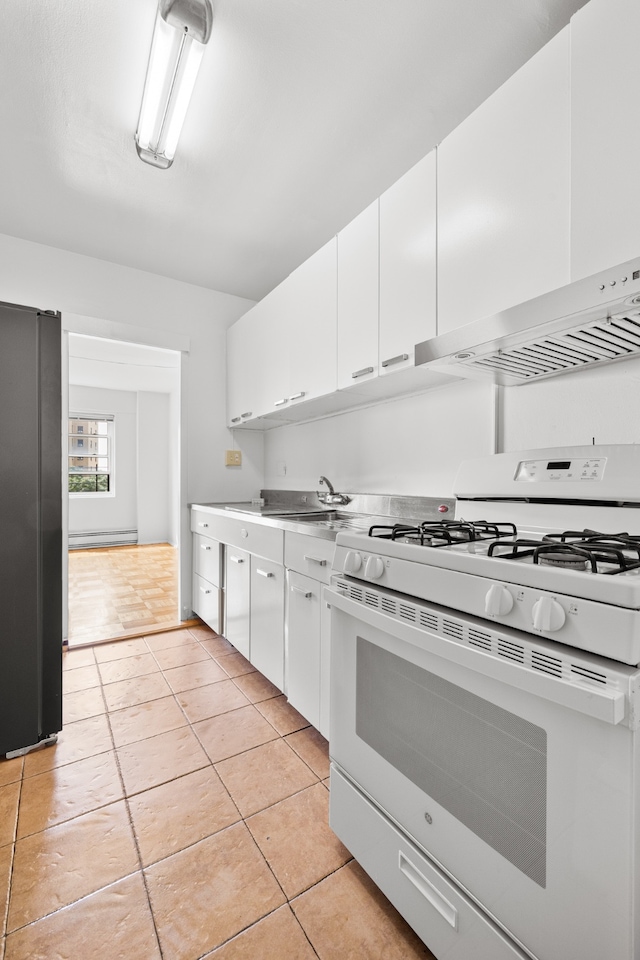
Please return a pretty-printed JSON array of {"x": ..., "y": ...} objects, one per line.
[
  {"x": 145, "y": 720},
  {"x": 297, "y": 841},
  {"x": 313, "y": 748},
  {"x": 6, "y": 857},
  {"x": 51, "y": 869},
  {"x": 77, "y": 658},
  {"x": 127, "y": 668},
  {"x": 159, "y": 759},
  {"x": 256, "y": 687},
  {"x": 117, "y": 917},
  {"x": 9, "y": 798},
  {"x": 175, "y": 815},
  {"x": 346, "y": 916},
  {"x": 82, "y": 704},
  {"x": 67, "y": 792},
  {"x": 277, "y": 937},
  {"x": 120, "y": 649},
  {"x": 168, "y": 657},
  {"x": 214, "y": 645},
  {"x": 209, "y": 892},
  {"x": 194, "y": 675},
  {"x": 262, "y": 776},
  {"x": 202, "y": 631},
  {"x": 127, "y": 693},
  {"x": 80, "y": 679},
  {"x": 281, "y": 715},
  {"x": 76, "y": 741},
  {"x": 10, "y": 770},
  {"x": 172, "y": 638},
  {"x": 234, "y": 664},
  {"x": 233, "y": 732},
  {"x": 212, "y": 700}
]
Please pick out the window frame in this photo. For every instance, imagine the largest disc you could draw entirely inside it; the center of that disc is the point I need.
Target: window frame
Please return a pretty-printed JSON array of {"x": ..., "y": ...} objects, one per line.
[{"x": 109, "y": 419}]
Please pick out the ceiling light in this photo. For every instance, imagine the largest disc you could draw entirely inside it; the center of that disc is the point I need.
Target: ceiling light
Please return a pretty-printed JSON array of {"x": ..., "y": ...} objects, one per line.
[{"x": 181, "y": 31}]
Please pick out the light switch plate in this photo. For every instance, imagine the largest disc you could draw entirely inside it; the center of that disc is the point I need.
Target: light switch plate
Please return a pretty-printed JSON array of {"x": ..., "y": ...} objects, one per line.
[{"x": 233, "y": 458}]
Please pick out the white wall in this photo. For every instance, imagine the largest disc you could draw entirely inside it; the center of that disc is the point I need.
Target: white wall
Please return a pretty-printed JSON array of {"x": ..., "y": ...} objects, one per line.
[
  {"x": 601, "y": 403},
  {"x": 153, "y": 472},
  {"x": 411, "y": 446},
  {"x": 118, "y": 510}
]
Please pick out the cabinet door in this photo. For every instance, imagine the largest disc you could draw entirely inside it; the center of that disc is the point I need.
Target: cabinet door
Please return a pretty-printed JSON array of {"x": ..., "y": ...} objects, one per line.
[
  {"x": 303, "y": 646},
  {"x": 267, "y": 619},
  {"x": 407, "y": 265},
  {"x": 605, "y": 137},
  {"x": 358, "y": 251},
  {"x": 503, "y": 194},
  {"x": 239, "y": 361},
  {"x": 325, "y": 664},
  {"x": 237, "y": 599},
  {"x": 312, "y": 326}
]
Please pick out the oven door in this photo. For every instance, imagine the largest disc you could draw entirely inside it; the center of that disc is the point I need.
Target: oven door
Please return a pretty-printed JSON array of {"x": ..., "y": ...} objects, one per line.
[{"x": 519, "y": 788}]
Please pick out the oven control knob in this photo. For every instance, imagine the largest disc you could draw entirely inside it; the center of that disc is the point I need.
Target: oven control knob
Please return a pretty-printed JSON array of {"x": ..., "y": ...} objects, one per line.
[
  {"x": 352, "y": 561},
  {"x": 548, "y": 615},
  {"x": 373, "y": 568},
  {"x": 498, "y": 602}
]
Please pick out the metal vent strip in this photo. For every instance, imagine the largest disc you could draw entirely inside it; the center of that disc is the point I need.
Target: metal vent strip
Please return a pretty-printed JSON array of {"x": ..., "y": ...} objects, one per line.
[
  {"x": 524, "y": 653},
  {"x": 597, "y": 342}
]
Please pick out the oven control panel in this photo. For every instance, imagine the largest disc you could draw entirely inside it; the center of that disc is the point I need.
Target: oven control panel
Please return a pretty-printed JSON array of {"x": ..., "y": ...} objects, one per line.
[{"x": 590, "y": 469}]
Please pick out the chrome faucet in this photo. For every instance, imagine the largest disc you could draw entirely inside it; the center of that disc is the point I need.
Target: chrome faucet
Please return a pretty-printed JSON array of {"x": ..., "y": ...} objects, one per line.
[{"x": 332, "y": 497}]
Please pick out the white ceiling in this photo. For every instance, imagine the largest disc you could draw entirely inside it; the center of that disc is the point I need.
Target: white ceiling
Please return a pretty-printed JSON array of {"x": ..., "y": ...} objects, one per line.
[{"x": 304, "y": 112}]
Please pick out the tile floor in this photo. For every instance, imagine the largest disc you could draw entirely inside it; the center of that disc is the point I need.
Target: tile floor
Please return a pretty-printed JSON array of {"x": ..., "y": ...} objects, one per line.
[
  {"x": 117, "y": 592},
  {"x": 182, "y": 815}
]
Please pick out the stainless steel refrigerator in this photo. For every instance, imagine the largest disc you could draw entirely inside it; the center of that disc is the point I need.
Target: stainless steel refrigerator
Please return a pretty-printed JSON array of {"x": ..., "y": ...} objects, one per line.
[{"x": 30, "y": 528}]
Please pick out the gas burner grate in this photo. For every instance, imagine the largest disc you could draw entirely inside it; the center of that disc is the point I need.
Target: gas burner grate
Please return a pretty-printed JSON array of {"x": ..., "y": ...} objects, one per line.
[
  {"x": 608, "y": 554},
  {"x": 443, "y": 533}
]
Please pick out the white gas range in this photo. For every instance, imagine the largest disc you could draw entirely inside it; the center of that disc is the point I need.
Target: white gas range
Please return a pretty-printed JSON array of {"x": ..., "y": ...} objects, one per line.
[{"x": 485, "y": 709}]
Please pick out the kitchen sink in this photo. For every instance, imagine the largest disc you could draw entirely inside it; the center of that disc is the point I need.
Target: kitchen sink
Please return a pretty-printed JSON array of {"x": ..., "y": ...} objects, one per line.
[{"x": 333, "y": 520}]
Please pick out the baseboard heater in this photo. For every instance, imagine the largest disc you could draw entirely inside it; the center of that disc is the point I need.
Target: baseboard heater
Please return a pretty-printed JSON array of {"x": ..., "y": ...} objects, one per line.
[{"x": 87, "y": 539}]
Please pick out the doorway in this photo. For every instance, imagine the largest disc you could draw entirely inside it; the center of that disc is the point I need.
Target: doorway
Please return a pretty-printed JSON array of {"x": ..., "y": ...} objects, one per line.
[{"x": 123, "y": 464}]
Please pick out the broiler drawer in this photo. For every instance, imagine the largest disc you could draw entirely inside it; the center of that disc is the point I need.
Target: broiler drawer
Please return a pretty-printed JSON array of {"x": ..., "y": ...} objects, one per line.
[{"x": 440, "y": 913}]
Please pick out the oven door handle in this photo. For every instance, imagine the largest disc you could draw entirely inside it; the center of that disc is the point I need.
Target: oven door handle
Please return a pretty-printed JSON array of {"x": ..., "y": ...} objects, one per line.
[{"x": 602, "y": 704}]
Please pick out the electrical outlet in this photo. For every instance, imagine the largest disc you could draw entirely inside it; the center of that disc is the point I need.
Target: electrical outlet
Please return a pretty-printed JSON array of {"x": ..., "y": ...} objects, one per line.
[{"x": 233, "y": 458}]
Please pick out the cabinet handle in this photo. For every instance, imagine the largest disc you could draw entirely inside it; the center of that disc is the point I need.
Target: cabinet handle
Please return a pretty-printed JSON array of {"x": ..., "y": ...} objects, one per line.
[
  {"x": 398, "y": 359},
  {"x": 204, "y": 590},
  {"x": 297, "y": 396},
  {"x": 361, "y": 373},
  {"x": 245, "y": 415},
  {"x": 428, "y": 891},
  {"x": 201, "y": 524},
  {"x": 236, "y": 419},
  {"x": 305, "y": 593},
  {"x": 264, "y": 573},
  {"x": 317, "y": 560},
  {"x": 236, "y": 559},
  {"x": 203, "y": 546},
  {"x": 278, "y": 403}
]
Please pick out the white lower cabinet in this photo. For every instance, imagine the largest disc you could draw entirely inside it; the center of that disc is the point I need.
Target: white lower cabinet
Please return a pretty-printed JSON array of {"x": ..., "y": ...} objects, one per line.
[
  {"x": 267, "y": 619},
  {"x": 238, "y": 599},
  {"x": 303, "y": 646}
]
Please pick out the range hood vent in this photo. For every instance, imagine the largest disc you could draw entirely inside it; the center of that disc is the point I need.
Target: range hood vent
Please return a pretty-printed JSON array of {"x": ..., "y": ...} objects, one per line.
[{"x": 577, "y": 326}]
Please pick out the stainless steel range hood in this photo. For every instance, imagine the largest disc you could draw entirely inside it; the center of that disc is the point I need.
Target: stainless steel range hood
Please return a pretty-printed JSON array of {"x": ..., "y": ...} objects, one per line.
[{"x": 591, "y": 321}]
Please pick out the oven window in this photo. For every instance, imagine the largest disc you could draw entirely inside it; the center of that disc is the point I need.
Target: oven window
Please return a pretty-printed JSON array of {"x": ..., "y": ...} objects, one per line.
[{"x": 485, "y": 765}]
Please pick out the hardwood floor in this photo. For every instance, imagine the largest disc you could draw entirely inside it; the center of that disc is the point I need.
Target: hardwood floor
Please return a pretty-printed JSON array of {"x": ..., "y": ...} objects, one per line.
[{"x": 119, "y": 592}]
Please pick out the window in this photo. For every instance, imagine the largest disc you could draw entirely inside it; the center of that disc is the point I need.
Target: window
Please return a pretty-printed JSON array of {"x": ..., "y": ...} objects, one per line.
[{"x": 90, "y": 453}]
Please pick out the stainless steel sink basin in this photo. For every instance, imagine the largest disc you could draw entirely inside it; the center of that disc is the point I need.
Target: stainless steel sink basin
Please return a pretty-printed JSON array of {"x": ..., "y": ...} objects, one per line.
[{"x": 333, "y": 520}]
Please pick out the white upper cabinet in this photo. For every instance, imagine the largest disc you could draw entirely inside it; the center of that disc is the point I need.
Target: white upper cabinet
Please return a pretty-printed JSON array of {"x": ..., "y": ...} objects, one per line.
[
  {"x": 504, "y": 193},
  {"x": 312, "y": 326},
  {"x": 407, "y": 265},
  {"x": 605, "y": 148},
  {"x": 358, "y": 299}
]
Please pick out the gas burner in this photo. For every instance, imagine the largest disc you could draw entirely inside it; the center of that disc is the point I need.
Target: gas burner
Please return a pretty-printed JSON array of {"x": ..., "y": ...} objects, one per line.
[
  {"x": 444, "y": 533},
  {"x": 575, "y": 550}
]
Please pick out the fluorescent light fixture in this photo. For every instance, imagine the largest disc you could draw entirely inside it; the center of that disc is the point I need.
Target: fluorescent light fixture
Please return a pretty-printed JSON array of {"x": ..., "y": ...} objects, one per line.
[{"x": 181, "y": 31}]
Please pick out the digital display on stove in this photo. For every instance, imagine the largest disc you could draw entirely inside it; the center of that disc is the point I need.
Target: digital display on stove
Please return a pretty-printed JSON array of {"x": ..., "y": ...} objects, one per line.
[{"x": 587, "y": 469}]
